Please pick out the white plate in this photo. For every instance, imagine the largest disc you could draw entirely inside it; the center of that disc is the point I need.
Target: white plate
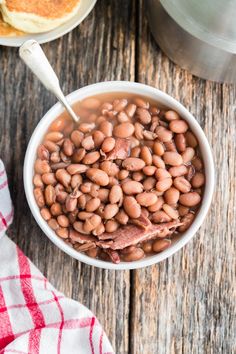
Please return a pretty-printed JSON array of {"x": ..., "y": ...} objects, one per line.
[{"x": 85, "y": 7}]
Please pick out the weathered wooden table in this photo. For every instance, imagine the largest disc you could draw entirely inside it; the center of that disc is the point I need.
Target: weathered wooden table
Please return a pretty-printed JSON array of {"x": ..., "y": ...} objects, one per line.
[{"x": 184, "y": 304}]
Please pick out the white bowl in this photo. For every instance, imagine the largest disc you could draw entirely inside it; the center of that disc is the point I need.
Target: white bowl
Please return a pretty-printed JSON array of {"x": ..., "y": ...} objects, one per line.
[
  {"x": 84, "y": 9},
  {"x": 139, "y": 89}
]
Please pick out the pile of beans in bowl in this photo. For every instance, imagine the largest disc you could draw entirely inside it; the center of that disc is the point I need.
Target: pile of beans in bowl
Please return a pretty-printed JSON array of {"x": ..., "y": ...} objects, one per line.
[{"x": 121, "y": 183}]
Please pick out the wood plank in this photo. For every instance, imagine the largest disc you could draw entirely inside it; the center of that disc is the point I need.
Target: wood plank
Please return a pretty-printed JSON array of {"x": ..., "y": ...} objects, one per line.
[
  {"x": 101, "y": 48},
  {"x": 185, "y": 304}
]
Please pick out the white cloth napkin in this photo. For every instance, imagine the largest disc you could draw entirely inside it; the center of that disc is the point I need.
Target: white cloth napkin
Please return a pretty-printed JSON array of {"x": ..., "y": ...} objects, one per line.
[{"x": 34, "y": 317}]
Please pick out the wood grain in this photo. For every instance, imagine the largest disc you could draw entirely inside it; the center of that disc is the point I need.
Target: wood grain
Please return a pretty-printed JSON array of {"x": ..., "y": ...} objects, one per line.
[{"x": 185, "y": 304}]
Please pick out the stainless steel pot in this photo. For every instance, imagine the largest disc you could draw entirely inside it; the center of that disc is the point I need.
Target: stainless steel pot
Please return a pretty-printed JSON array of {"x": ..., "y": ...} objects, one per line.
[{"x": 199, "y": 35}]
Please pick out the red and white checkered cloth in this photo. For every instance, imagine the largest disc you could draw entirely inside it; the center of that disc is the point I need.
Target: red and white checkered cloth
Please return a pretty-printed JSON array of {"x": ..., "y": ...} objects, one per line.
[{"x": 34, "y": 317}]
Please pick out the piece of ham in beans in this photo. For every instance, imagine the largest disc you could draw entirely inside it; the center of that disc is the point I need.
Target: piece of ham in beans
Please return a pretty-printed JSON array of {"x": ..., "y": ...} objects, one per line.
[{"x": 123, "y": 181}]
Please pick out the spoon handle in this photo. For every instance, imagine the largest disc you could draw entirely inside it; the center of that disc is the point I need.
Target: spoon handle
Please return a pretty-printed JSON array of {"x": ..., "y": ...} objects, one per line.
[{"x": 33, "y": 56}]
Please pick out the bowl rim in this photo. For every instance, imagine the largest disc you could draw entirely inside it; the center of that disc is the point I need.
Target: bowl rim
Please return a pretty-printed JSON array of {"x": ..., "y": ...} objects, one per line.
[{"x": 126, "y": 87}]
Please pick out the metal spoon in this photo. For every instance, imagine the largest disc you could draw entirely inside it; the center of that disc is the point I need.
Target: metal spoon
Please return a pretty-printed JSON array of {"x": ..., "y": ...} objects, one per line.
[{"x": 33, "y": 56}]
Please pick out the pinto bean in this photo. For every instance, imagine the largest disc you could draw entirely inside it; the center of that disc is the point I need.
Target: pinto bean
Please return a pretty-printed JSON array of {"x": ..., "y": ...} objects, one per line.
[
  {"x": 172, "y": 196},
  {"x": 94, "y": 190},
  {"x": 54, "y": 136},
  {"x": 130, "y": 110},
  {"x": 178, "y": 126},
  {"x": 161, "y": 245},
  {"x": 50, "y": 195},
  {"x": 180, "y": 142},
  {"x": 164, "y": 184},
  {"x": 68, "y": 147},
  {"x": 92, "y": 204},
  {"x": 110, "y": 211},
  {"x": 198, "y": 180},
  {"x": 197, "y": 163},
  {"x": 173, "y": 213},
  {"x": 146, "y": 155},
  {"x": 122, "y": 217},
  {"x": 45, "y": 213},
  {"x": 56, "y": 209},
  {"x": 37, "y": 181},
  {"x": 97, "y": 176},
  {"x": 133, "y": 164},
  {"x": 146, "y": 199},
  {"x": 162, "y": 173},
  {"x": 138, "y": 129},
  {"x": 76, "y": 181},
  {"x": 78, "y": 155},
  {"x": 49, "y": 178},
  {"x": 77, "y": 137},
  {"x": 182, "y": 184},
  {"x": 39, "y": 197},
  {"x": 158, "y": 162},
  {"x": 119, "y": 105},
  {"x": 131, "y": 207},
  {"x": 138, "y": 176},
  {"x": 53, "y": 224},
  {"x": 149, "y": 170},
  {"x": 148, "y": 135},
  {"x": 132, "y": 187},
  {"x": 188, "y": 155},
  {"x": 149, "y": 183},
  {"x": 76, "y": 168},
  {"x": 177, "y": 171},
  {"x": 116, "y": 194},
  {"x": 170, "y": 146},
  {"x": 123, "y": 130},
  {"x": 91, "y": 157},
  {"x": 63, "y": 177},
  {"x": 157, "y": 205},
  {"x": 41, "y": 167},
  {"x": 147, "y": 247},
  {"x": 158, "y": 148},
  {"x": 122, "y": 174},
  {"x": 143, "y": 115},
  {"x": 108, "y": 144},
  {"x": 172, "y": 158},
  {"x": 98, "y": 138},
  {"x": 163, "y": 134},
  {"x": 140, "y": 102},
  {"x": 171, "y": 115},
  {"x": 110, "y": 168},
  {"x": 135, "y": 151},
  {"x": 63, "y": 221},
  {"x": 92, "y": 223},
  {"x": 190, "y": 199},
  {"x": 88, "y": 143},
  {"x": 191, "y": 139},
  {"x": 106, "y": 128},
  {"x": 135, "y": 255},
  {"x": 58, "y": 124},
  {"x": 122, "y": 117},
  {"x": 93, "y": 252},
  {"x": 160, "y": 216},
  {"x": 111, "y": 226},
  {"x": 79, "y": 227}
]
